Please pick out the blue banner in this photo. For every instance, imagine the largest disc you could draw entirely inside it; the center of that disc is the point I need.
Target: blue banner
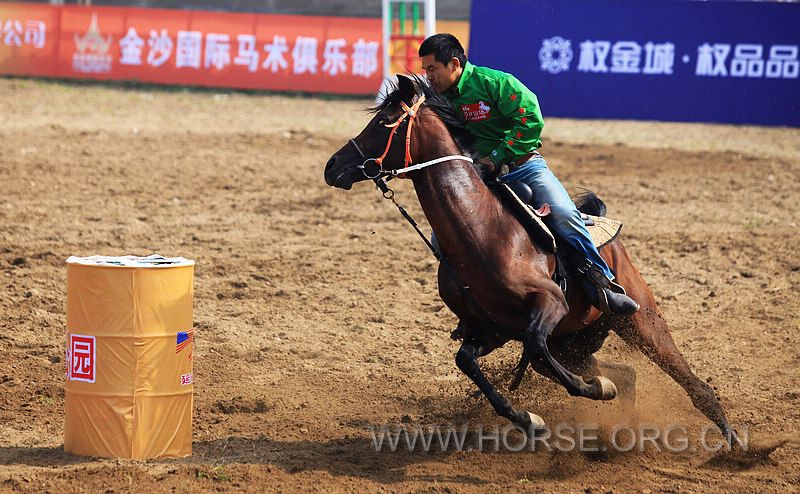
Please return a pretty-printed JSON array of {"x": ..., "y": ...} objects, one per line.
[{"x": 734, "y": 62}]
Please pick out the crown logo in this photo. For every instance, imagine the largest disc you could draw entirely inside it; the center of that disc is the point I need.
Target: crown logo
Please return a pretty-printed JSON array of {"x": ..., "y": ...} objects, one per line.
[{"x": 93, "y": 41}]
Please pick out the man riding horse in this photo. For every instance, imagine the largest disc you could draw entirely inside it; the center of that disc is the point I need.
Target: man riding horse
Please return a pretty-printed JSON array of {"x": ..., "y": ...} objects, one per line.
[{"x": 504, "y": 118}]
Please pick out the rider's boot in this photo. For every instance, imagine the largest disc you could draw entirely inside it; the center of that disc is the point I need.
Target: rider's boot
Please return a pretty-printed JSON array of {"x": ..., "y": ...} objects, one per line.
[{"x": 608, "y": 296}]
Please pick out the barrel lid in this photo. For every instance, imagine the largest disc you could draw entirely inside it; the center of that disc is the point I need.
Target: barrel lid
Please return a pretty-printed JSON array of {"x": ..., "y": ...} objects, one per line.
[{"x": 151, "y": 261}]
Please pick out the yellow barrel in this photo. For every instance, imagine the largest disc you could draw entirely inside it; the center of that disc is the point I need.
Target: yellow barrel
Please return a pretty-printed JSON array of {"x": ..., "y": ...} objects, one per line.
[{"x": 129, "y": 386}]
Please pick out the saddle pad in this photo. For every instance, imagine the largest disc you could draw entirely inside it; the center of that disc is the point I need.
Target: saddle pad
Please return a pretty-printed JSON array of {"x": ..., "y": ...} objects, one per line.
[{"x": 604, "y": 230}]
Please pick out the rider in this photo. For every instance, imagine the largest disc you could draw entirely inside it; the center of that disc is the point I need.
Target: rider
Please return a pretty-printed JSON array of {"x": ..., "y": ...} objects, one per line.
[{"x": 504, "y": 118}]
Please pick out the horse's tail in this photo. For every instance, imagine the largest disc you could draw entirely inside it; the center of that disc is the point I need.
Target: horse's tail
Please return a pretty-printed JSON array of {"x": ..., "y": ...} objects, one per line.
[{"x": 588, "y": 203}]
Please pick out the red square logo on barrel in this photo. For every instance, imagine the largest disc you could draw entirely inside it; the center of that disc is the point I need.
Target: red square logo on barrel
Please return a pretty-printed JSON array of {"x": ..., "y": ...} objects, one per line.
[{"x": 82, "y": 359}]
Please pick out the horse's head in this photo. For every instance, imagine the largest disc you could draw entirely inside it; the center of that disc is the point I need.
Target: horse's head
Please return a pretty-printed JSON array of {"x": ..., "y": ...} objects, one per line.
[{"x": 376, "y": 148}]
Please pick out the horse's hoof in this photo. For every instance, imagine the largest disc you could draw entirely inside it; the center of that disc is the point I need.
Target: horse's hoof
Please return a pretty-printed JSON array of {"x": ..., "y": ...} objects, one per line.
[
  {"x": 607, "y": 389},
  {"x": 537, "y": 422},
  {"x": 529, "y": 422}
]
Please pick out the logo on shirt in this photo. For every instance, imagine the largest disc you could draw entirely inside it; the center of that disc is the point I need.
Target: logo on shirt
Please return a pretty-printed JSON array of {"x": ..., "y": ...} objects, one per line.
[{"x": 476, "y": 111}]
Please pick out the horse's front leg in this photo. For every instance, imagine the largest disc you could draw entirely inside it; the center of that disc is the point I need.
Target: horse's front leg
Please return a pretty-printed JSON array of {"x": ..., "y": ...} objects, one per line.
[{"x": 467, "y": 362}]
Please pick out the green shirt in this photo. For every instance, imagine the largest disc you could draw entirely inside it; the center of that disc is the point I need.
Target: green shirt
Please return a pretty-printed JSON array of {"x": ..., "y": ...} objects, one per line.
[{"x": 500, "y": 112}]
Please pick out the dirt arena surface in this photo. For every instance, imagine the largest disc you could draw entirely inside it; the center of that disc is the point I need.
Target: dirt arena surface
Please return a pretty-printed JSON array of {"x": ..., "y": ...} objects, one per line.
[{"x": 316, "y": 311}]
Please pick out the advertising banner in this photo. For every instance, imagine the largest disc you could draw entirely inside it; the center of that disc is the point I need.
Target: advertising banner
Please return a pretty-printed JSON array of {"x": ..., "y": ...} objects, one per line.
[
  {"x": 734, "y": 62},
  {"x": 28, "y": 39},
  {"x": 248, "y": 51}
]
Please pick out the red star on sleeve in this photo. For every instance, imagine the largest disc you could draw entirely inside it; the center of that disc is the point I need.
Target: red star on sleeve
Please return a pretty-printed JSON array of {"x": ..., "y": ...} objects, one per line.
[
  {"x": 519, "y": 134},
  {"x": 513, "y": 97},
  {"x": 510, "y": 142},
  {"x": 524, "y": 119},
  {"x": 521, "y": 110}
]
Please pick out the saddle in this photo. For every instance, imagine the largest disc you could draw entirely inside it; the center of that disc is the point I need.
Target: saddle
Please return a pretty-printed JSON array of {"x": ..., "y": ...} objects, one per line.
[{"x": 518, "y": 199}]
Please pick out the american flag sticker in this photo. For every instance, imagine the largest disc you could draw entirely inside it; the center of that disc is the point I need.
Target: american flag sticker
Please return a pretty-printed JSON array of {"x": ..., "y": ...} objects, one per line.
[{"x": 184, "y": 339}]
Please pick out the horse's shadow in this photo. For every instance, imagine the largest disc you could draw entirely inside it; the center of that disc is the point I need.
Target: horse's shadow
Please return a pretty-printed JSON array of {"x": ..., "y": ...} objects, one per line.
[{"x": 349, "y": 456}]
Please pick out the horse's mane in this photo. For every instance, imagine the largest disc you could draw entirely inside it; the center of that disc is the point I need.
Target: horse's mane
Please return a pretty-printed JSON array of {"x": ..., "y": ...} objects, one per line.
[{"x": 442, "y": 107}]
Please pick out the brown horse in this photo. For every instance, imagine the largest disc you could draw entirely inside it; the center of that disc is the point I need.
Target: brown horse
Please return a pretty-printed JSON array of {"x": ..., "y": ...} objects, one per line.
[{"x": 512, "y": 295}]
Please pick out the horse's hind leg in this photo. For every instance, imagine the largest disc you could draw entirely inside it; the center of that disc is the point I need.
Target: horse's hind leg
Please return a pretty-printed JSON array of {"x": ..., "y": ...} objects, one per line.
[
  {"x": 648, "y": 331},
  {"x": 467, "y": 362},
  {"x": 576, "y": 352},
  {"x": 550, "y": 308}
]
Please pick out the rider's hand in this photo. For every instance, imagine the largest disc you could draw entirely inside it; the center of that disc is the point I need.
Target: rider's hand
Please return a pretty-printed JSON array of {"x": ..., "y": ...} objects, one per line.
[
  {"x": 487, "y": 161},
  {"x": 494, "y": 170}
]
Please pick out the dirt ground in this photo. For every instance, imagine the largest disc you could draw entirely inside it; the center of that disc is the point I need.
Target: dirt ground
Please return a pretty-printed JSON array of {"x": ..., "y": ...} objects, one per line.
[{"x": 316, "y": 310}]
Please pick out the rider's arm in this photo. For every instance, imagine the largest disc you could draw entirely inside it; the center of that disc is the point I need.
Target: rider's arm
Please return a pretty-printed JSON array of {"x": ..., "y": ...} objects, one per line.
[{"x": 518, "y": 104}]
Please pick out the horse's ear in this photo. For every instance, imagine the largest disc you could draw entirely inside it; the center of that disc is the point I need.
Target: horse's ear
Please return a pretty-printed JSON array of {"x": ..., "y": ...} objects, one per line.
[{"x": 407, "y": 88}]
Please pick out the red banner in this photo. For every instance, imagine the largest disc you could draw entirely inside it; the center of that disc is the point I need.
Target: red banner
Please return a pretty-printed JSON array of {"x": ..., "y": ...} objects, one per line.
[{"x": 251, "y": 51}]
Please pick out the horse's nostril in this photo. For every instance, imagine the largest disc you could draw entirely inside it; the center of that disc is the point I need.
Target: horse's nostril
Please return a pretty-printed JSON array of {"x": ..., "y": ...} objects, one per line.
[{"x": 330, "y": 163}]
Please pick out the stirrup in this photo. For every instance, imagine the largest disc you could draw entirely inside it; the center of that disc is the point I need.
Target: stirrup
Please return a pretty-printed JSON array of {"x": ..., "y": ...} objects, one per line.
[
  {"x": 597, "y": 278},
  {"x": 601, "y": 283}
]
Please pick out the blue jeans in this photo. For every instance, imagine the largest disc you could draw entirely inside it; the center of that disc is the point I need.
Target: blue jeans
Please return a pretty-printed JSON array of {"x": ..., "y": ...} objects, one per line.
[{"x": 564, "y": 219}]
